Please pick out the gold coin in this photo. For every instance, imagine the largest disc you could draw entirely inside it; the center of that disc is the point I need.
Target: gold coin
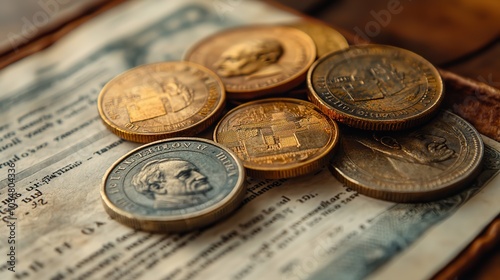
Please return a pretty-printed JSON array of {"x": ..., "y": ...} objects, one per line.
[
  {"x": 423, "y": 164},
  {"x": 376, "y": 87},
  {"x": 278, "y": 137},
  {"x": 160, "y": 100},
  {"x": 326, "y": 38},
  {"x": 174, "y": 185},
  {"x": 257, "y": 60}
]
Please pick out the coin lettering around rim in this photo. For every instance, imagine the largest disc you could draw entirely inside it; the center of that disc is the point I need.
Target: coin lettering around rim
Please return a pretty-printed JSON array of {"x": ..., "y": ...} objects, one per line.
[
  {"x": 326, "y": 38},
  {"x": 174, "y": 185},
  {"x": 424, "y": 164},
  {"x": 278, "y": 137},
  {"x": 160, "y": 100},
  {"x": 376, "y": 87},
  {"x": 255, "y": 61}
]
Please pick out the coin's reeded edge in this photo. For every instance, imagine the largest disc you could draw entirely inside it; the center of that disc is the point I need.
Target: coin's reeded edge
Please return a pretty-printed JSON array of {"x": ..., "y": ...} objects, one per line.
[
  {"x": 373, "y": 124},
  {"x": 281, "y": 87},
  {"x": 298, "y": 169},
  {"x": 178, "y": 223},
  {"x": 452, "y": 187},
  {"x": 155, "y": 136}
]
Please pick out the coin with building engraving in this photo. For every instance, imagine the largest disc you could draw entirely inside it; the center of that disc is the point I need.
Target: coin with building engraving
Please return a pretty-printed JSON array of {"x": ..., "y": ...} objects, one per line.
[
  {"x": 326, "y": 38},
  {"x": 423, "y": 164},
  {"x": 160, "y": 100},
  {"x": 278, "y": 137},
  {"x": 174, "y": 185},
  {"x": 254, "y": 61},
  {"x": 376, "y": 87}
]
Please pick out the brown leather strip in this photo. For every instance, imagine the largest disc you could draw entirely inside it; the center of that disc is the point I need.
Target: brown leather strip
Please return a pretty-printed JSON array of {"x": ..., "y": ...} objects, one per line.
[{"x": 46, "y": 39}]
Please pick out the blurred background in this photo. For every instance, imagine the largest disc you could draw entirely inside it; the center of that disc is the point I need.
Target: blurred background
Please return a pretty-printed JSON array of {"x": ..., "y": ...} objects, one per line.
[{"x": 457, "y": 35}]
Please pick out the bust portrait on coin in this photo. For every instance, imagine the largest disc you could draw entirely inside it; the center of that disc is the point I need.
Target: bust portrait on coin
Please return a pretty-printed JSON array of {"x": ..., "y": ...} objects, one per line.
[
  {"x": 255, "y": 58},
  {"x": 414, "y": 155},
  {"x": 172, "y": 183}
]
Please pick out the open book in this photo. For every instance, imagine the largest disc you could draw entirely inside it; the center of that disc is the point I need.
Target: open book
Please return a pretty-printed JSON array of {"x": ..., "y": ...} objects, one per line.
[{"x": 54, "y": 151}]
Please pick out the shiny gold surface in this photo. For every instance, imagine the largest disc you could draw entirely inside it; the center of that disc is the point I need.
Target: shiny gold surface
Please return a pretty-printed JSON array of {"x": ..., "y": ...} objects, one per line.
[
  {"x": 161, "y": 100},
  {"x": 278, "y": 137},
  {"x": 256, "y": 60},
  {"x": 326, "y": 38},
  {"x": 376, "y": 87}
]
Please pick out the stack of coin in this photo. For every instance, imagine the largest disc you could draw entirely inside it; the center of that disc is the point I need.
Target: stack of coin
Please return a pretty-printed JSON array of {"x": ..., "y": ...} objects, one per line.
[
  {"x": 288, "y": 86},
  {"x": 256, "y": 61},
  {"x": 278, "y": 137},
  {"x": 426, "y": 163},
  {"x": 393, "y": 146}
]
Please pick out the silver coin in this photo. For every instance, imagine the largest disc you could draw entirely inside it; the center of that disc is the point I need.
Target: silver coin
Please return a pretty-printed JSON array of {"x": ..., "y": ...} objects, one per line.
[
  {"x": 423, "y": 164},
  {"x": 174, "y": 185}
]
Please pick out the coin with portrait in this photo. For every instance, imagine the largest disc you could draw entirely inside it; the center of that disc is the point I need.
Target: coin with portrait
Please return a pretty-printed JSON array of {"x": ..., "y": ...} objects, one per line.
[
  {"x": 278, "y": 137},
  {"x": 159, "y": 100},
  {"x": 423, "y": 164},
  {"x": 254, "y": 61},
  {"x": 174, "y": 185},
  {"x": 376, "y": 87}
]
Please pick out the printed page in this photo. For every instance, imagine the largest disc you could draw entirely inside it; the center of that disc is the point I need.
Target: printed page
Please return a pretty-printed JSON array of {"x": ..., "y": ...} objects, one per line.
[{"x": 54, "y": 151}]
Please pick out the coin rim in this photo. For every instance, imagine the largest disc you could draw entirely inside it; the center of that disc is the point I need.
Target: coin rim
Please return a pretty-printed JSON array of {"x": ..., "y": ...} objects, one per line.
[
  {"x": 183, "y": 222},
  {"x": 366, "y": 123},
  {"x": 295, "y": 169},
  {"x": 453, "y": 186},
  {"x": 146, "y": 137},
  {"x": 280, "y": 87}
]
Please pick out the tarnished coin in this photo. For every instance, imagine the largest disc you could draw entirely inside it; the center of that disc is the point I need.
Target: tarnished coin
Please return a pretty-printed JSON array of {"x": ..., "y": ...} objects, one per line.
[
  {"x": 256, "y": 60},
  {"x": 174, "y": 185},
  {"x": 376, "y": 87},
  {"x": 160, "y": 100},
  {"x": 424, "y": 164},
  {"x": 278, "y": 137},
  {"x": 326, "y": 38}
]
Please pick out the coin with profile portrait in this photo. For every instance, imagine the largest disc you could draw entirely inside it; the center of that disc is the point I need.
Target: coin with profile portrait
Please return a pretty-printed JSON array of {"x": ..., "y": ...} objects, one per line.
[
  {"x": 376, "y": 87},
  {"x": 159, "y": 100},
  {"x": 174, "y": 185},
  {"x": 254, "y": 61},
  {"x": 423, "y": 164}
]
